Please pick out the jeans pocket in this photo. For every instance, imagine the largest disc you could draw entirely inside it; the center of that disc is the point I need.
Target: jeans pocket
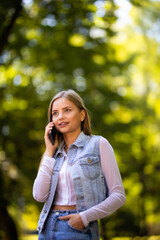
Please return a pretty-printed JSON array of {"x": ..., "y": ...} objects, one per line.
[{"x": 75, "y": 229}]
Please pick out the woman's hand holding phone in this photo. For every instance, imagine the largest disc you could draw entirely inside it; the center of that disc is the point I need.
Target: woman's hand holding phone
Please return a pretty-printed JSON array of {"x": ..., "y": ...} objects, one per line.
[{"x": 50, "y": 148}]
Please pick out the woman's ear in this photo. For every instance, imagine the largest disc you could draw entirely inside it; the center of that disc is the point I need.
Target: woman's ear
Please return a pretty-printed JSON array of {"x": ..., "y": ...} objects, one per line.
[{"x": 83, "y": 114}]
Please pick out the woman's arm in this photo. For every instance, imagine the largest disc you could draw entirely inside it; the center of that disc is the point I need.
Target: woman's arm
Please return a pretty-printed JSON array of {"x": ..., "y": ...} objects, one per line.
[
  {"x": 116, "y": 196},
  {"x": 42, "y": 182}
]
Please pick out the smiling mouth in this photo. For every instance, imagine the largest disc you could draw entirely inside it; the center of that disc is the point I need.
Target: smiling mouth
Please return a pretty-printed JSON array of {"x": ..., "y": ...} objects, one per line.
[{"x": 63, "y": 124}]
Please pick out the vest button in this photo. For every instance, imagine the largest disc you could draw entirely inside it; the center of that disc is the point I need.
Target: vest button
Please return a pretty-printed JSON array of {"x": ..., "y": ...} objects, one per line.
[
  {"x": 60, "y": 154},
  {"x": 89, "y": 160},
  {"x": 45, "y": 211},
  {"x": 53, "y": 173}
]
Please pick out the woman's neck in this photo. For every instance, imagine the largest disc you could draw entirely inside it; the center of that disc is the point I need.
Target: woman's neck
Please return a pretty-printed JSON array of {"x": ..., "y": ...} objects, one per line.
[{"x": 70, "y": 138}]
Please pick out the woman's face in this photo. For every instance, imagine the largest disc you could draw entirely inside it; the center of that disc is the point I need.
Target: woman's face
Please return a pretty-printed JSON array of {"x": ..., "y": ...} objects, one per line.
[{"x": 67, "y": 116}]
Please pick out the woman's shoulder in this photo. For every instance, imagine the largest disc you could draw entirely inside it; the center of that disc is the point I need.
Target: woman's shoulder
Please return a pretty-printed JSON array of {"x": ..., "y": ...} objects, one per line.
[
  {"x": 101, "y": 138},
  {"x": 103, "y": 142}
]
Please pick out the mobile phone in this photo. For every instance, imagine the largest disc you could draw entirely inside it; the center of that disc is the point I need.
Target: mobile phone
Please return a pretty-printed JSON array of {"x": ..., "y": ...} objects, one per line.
[{"x": 52, "y": 135}]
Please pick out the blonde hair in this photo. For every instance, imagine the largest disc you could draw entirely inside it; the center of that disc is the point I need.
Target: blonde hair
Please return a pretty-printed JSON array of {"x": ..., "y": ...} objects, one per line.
[{"x": 77, "y": 100}]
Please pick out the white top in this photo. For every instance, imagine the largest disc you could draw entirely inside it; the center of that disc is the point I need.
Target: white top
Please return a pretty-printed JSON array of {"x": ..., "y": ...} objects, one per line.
[{"x": 65, "y": 192}]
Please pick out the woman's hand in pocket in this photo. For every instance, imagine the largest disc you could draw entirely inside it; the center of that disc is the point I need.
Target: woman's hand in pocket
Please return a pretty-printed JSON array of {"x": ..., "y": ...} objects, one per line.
[{"x": 75, "y": 220}]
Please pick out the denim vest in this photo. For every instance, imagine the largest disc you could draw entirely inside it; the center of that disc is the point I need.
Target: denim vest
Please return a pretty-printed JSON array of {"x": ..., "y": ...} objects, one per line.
[{"x": 85, "y": 171}]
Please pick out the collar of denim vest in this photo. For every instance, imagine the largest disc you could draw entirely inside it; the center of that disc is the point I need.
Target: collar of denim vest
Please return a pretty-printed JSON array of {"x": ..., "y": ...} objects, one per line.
[{"x": 80, "y": 142}]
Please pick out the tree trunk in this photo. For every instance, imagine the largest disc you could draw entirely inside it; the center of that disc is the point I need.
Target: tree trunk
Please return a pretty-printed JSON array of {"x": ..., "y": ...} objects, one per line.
[
  {"x": 5, "y": 34},
  {"x": 7, "y": 224},
  {"x": 103, "y": 232}
]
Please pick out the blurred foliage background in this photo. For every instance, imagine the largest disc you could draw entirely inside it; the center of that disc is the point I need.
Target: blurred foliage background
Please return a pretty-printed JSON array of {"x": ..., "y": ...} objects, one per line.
[{"x": 109, "y": 52}]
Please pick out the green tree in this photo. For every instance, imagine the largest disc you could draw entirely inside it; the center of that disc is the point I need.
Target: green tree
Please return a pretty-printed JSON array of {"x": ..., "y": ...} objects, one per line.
[
  {"x": 140, "y": 111},
  {"x": 55, "y": 45}
]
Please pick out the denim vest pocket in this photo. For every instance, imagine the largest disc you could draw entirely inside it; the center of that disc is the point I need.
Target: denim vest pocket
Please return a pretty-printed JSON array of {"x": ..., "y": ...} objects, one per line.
[{"x": 90, "y": 166}]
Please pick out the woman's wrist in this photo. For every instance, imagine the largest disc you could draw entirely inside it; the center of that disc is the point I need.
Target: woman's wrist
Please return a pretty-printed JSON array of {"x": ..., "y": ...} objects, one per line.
[
  {"x": 49, "y": 153},
  {"x": 84, "y": 220}
]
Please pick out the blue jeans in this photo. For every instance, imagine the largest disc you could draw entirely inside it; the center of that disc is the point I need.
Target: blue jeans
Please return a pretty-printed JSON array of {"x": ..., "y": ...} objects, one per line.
[{"x": 56, "y": 229}]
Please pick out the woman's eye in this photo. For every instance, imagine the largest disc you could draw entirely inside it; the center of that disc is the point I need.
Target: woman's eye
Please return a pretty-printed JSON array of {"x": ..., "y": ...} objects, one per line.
[
  {"x": 68, "y": 110},
  {"x": 54, "y": 113}
]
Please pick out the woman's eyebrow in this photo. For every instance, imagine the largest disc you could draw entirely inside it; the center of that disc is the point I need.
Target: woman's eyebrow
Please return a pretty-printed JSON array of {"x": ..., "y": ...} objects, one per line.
[{"x": 54, "y": 110}]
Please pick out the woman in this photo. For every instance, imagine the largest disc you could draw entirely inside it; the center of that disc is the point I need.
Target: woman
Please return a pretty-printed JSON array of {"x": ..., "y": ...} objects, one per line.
[{"x": 78, "y": 177}]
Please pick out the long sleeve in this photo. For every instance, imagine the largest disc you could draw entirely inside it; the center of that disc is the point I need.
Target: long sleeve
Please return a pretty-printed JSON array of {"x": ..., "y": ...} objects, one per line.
[
  {"x": 116, "y": 196},
  {"x": 42, "y": 182}
]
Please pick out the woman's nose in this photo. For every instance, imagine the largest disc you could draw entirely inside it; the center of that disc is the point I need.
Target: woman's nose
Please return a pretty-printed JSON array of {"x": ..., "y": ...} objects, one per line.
[{"x": 61, "y": 115}]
